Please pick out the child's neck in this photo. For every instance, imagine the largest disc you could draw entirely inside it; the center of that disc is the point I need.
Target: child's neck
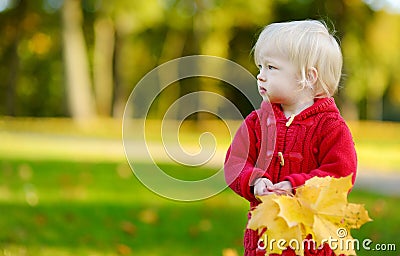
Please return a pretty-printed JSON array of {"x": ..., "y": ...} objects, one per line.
[{"x": 297, "y": 108}]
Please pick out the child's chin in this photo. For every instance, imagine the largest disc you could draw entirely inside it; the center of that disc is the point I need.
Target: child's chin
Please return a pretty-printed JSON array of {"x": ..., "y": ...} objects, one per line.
[{"x": 265, "y": 98}]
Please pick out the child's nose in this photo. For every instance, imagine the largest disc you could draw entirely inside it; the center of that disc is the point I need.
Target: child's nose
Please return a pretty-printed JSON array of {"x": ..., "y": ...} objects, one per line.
[{"x": 261, "y": 78}]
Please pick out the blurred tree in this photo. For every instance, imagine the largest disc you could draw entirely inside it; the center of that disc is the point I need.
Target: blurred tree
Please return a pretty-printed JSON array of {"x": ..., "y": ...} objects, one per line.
[
  {"x": 80, "y": 97},
  {"x": 30, "y": 61},
  {"x": 371, "y": 60},
  {"x": 115, "y": 43},
  {"x": 12, "y": 36},
  {"x": 218, "y": 25},
  {"x": 103, "y": 64},
  {"x": 134, "y": 47},
  {"x": 383, "y": 64}
]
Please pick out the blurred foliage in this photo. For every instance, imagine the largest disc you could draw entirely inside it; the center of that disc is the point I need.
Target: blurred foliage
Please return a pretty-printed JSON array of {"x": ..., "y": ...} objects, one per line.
[{"x": 136, "y": 36}]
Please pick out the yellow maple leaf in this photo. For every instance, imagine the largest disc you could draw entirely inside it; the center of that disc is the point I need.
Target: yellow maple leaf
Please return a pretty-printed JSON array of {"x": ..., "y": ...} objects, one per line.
[
  {"x": 279, "y": 236},
  {"x": 300, "y": 212},
  {"x": 319, "y": 208},
  {"x": 356, "y": 216},
  {"x": 333, "y": 194},
  {"x": 274, "y": 231},
  {"x": 265, "y": 213}
]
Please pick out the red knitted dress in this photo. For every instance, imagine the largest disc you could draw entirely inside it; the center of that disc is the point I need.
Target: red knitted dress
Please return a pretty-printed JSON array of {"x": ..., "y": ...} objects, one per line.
[{"x": 317, "y": 142}]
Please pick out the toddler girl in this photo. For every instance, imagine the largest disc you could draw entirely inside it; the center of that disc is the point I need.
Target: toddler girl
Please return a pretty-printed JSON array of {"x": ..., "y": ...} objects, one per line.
[{"x": 298, "y": 132}]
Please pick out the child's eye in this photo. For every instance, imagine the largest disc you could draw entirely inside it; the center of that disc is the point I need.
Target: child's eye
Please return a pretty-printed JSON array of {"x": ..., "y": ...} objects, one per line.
[
  {"x": 259, "y": 67},
  {"x": 270, "y": 67}
]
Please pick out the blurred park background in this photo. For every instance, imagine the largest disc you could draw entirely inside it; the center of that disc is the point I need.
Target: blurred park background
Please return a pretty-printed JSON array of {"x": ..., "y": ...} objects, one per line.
[{"x": 68, "y": 68}]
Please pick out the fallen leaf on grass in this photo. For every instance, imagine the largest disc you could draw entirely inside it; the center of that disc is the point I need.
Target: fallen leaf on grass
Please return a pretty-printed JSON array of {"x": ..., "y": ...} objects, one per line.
[
  {"x": 128, "y": 227},
  {"x": 229, "y": 252},
  {"x": 148, "y": 216},
  {"x": 123, "y": 249},
  {"x": 205, "y": 225},
  {"x": 41, "y": 219}
]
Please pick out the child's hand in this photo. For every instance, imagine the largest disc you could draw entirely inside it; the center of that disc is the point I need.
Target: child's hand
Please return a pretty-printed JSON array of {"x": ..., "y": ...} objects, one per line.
[
  {"x": 282, "y": 188},
  {"x": 263, "y": 186}
]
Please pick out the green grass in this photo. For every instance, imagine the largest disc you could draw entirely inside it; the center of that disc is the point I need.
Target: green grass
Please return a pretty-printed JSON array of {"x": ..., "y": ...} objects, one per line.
[
  {"x": 65, "y": 189},
  {"x": 83, "y": 208},
  {"x": 62, "y": 208}
]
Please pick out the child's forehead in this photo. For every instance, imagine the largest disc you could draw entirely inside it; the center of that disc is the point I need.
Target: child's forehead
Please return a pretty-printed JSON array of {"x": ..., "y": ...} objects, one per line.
[{"x": 270, "y": 52}]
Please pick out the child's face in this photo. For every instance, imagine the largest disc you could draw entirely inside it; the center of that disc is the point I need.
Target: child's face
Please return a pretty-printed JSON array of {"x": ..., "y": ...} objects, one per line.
[{"x": 278, "y": 79}]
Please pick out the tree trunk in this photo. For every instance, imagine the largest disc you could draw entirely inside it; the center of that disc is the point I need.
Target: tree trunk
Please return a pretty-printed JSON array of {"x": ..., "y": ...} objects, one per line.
[
  {"x": 103, "y": 65},
  {"x": 119, "y": 94},
  {"x": 172, "y": 48},
  {"x": 11, "y": 54},
  {"x": 80, "y": 96},
  {"x": 12, "y": 77}
]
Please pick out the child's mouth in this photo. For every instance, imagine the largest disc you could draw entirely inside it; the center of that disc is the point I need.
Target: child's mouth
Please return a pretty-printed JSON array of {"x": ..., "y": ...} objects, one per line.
[{"x": 262, "y": 90}]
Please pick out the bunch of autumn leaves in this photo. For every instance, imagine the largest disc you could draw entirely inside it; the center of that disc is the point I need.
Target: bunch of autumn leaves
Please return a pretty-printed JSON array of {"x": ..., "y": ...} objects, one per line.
[{"x": 319, "y": 208}]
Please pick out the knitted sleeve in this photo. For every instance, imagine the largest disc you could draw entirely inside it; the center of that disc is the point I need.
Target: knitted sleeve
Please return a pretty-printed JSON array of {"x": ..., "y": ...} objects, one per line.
[
  {"x": 240, "y": 162},
  {"x": 334, "y": 151}
]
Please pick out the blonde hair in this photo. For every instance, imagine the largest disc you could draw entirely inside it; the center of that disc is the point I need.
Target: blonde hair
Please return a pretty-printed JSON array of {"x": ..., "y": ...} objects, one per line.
[{"x": 308, "y": 44}]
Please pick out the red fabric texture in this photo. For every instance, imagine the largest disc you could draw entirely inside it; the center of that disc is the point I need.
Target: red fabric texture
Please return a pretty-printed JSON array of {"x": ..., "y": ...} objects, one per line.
[{"x": 316, "y": 143}]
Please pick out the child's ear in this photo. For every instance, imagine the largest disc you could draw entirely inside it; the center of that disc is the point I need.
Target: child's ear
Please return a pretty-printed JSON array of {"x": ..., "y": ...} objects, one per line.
[{"x": 312, "y": 76}]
